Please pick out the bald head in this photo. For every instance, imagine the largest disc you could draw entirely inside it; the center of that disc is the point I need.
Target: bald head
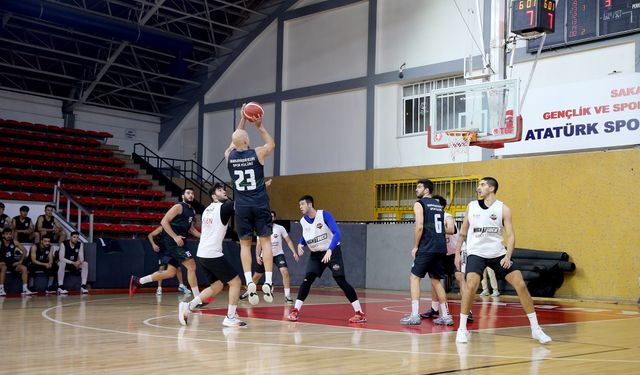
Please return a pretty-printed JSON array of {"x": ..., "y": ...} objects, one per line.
[{"x": 240, "y": 139}]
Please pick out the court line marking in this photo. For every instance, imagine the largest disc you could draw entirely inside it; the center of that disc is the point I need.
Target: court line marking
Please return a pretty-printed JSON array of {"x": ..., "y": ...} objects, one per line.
[{"x": 45, "y": 315}]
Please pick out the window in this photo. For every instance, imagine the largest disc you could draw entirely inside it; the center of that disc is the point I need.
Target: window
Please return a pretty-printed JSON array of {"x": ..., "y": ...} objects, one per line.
[{"x": 416, "y": 103}]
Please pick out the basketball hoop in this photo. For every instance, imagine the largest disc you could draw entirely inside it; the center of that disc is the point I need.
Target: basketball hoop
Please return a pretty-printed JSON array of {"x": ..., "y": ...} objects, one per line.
[{"x": 459, "y": 141}]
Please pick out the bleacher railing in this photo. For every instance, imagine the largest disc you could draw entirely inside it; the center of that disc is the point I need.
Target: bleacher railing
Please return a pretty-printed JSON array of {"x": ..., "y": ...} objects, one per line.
[
  {"x": 192, "y": 172},
  {"x": 59, "y": 192}
]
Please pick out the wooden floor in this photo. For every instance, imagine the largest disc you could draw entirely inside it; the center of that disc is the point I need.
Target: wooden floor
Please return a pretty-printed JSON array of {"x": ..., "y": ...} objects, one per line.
[{"x": 118, "y": 335}]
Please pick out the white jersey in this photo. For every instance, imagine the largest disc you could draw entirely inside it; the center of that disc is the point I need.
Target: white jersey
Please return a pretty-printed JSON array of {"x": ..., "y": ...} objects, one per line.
[
  {"x": 484, "y": 237},
  {"x": 317, "y": 235},
  {"x": 212, "y": 232},
  {"x": 277, "y": 236}
]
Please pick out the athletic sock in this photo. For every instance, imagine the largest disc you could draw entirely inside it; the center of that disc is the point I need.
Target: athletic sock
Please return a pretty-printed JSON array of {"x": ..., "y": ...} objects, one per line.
[
  {"x": 287, "y": 292},
  {"x": 298, "y": 304},
  {"x": 146, "y": 279},
  {"x": 356, "y": 305},
  {"x": 267, "y": 278},
  {"x": 463, "y": 322},
  {"x": 195, "y": 302},
  {"x": 231, "y": 311},
  {"x": 247, "y": 277},
  {"x": 195, "y": 291},
  {"x": 435, "y": 305},
  {"x": 24, "y": 287},
  {"x": 444, "y": 309},
  {"x": 533, "y": 320},
  {"x": 415, "y": 306}
]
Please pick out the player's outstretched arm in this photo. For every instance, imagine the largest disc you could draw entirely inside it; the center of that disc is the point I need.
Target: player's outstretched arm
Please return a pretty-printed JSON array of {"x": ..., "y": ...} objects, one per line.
[{"x": 269, "y": 143}]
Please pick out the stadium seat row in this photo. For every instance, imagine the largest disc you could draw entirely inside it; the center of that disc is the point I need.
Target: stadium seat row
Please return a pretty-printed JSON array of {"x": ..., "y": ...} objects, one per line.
[
  {"x": 131, "y": 215},
  {"x": 54, "y": 129},
  {"x": 16, "y": 133},
  {"x": 65, "y": 166},
  {"x": 42, "y": 145},
  {"x": 21, "y": 196},
  {"x": 41, "y": 175},
  {"x": 48, "y": 155},
  {"x": 114, "y": 202}
]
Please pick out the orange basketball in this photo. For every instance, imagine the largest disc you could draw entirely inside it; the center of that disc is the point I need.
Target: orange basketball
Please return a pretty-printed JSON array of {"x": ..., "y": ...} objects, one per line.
[{"x": 253, "y": 110}]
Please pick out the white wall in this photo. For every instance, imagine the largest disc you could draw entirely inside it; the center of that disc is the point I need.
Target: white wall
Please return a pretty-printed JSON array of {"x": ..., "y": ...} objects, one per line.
[
  {"x": 253, "y": 73},
  {"x": 324, "y": 133},
  {"x": 325, "y": 47},
  {"x": 218, "y": 127},
  {"x": 140, "y": 128},
  {"x": 423, "y": 32},
  {"x": 174, "y": 146},
  {"x": 35, "y": 109}
]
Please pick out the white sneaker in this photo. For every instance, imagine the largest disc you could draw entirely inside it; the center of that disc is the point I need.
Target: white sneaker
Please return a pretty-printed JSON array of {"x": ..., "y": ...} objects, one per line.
[
  {"x": 411, "y": 320},
  {"x": 62, "y": 291},
  {"x": 267, "y": 289},
  {"x": 233, "y": 322},
  {"x": 27, "y": 292},
  {"x": 84, "y": 290},
  {"x": 2, "y": 293},
  {"x": 495, "y": 293},
  {"x": 485, "y": 293},
  {"x": 159, "y": 291},
  {"x": 445, "y": 321},
  {"x": 462, "y": 336},
  {"x": 538, "y": 334},
  {"x": 183, "y": 313},
  {"x": 184, "y": 289},
  {"x": 253, "y": 296}
]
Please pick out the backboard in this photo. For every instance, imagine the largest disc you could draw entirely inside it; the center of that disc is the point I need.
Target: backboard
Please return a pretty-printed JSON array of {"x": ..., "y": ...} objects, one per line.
[{"x": 491, "y": 109}]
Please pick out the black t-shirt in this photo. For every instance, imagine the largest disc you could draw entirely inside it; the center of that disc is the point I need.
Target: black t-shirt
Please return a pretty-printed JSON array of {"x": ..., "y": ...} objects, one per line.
[
  {"x": 4, "y": 220},
  {"x": 42, "y": 253},
  {"x": 22, "y": 225}
]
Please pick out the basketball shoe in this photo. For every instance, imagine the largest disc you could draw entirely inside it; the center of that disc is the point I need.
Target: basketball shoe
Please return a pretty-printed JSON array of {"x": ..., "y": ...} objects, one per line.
[
  {"x": 233, "y": 322},
  {"x": 253, "y": 296},
  {"x": 267, "y": 289},
  {"x": 359, "y": 317},
  {"x": 134, "y": 284},
  {"x": 293, "y": 315}
]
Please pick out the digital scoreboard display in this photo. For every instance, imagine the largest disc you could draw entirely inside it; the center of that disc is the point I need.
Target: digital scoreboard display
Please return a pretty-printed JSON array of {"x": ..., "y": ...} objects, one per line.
[
  {"x": 529, "y": 16},
  {"x": 586, "y": 20}
]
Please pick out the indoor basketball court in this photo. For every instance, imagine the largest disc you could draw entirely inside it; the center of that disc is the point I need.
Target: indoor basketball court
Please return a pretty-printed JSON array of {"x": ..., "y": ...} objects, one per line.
[{"x": 113, "y": 333}]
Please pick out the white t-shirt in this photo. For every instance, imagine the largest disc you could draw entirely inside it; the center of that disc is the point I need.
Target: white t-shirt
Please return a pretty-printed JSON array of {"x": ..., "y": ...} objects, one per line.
[
  {"x": 317, "y": 235},
  {"x": 212, "y": 232},
  {"x": 484, "y": 238},
  {"x": 277, "y": 236}
]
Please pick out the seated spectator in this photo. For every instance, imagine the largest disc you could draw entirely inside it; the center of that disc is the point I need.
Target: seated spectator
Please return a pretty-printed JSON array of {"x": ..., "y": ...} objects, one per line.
[
  {"x": 71, "y": 256},
  {"x": 22, "y": 226},
  {"x": 42, "y": 260},
  {"x": 5, "y": 220},
  {"x": 3, "y": 271},
  {"x": 14, "y": 253},
  {"x": 48, "y": 226}
]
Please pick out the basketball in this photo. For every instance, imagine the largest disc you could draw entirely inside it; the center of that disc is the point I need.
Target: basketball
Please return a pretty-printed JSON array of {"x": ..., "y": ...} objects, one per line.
[{"x": 253, "y": 110}]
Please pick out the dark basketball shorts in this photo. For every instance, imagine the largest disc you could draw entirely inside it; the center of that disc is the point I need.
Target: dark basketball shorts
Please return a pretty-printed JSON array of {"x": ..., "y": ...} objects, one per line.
[
  {"x": 249, "y": 219},
  {"x": 432, "y": 263},
  {"x": 176, "y": 254},
  {"x": 477, "y": 264},
  {"x": 336, "y": 265},
  {"x": 33, "y": 268},
  {"x": 72, "y": 269},
  {"x": 278, "y": 261},
  {"x": 216, "y": 269}
]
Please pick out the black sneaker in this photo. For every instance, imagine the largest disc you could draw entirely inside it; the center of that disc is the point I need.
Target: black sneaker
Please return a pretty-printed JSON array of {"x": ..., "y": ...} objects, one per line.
[
  {"x": 52, "y": 289},
  {"x": 134, "y": 283},
  {"x": 470, "y": 318},
  {"x": 429, "y": 314},
  {"x": 244, "y": 296}
]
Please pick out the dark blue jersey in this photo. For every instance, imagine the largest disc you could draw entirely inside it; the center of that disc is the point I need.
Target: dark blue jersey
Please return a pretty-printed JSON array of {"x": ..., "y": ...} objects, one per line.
[
  {"x": 71, "y": 252},
  {"x": 42, "y": 253},
  {"x": 5, "y": 221},
  {"x": 182, "y": 223},
  {"x": 247, "y": 173},
  {"x": 433, "y": 238},
  {"x": 10, "y": 252}
]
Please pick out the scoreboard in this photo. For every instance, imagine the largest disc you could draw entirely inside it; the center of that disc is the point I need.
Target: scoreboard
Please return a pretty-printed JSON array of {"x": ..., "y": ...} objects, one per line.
[{"x": 586, "y": 20}]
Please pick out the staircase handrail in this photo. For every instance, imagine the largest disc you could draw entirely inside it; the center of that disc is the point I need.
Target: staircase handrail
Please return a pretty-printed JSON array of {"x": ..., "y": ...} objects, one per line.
[{"x": 58, "y": 191}]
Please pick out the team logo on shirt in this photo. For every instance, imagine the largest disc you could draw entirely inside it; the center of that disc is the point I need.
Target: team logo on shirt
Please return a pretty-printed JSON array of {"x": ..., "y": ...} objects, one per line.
[
  {"x": 335, "y": 267},
  {"x": 493, "y": 216},
  {"x": 275, "y": 235},
  {"x": 319, "y": 225}
]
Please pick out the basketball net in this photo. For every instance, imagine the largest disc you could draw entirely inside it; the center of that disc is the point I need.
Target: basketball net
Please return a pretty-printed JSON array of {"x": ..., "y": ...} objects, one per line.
[{"x": 459, "y": 142}]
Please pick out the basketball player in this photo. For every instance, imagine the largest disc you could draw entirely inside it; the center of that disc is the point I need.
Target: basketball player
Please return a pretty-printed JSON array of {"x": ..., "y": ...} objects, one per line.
[
  {"x": 71, "y": 258},
  {"x": 42, "y": 260},
  {"x": 163, "y": 260},
  {"x": 215, "y": 219},
  {"x": 176, "y": 224},
  {"x": 14, "y": 253},
  {"x": 22, "y": 226},
  {"x": 320, "y": 233},
  {"x": 48, "y": 226},
  {"x": 482, "y": 228},
  {"x": 491, "y": 276},
  {"x": 451, "y": 231},
  {"x": 279, "y": 234},
  {"x": 5, "y": 220},
  {"x": 246, "y": 167},
  {"x": 429, "y": 254}
]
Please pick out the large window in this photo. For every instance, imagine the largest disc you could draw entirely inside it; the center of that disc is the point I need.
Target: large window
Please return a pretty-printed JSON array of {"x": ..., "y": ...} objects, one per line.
[{"x": 416, "y": 103}]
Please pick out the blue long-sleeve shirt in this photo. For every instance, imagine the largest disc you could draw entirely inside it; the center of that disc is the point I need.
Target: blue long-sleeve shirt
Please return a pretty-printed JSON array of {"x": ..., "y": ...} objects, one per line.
[{"x": 333, "y": 226}]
